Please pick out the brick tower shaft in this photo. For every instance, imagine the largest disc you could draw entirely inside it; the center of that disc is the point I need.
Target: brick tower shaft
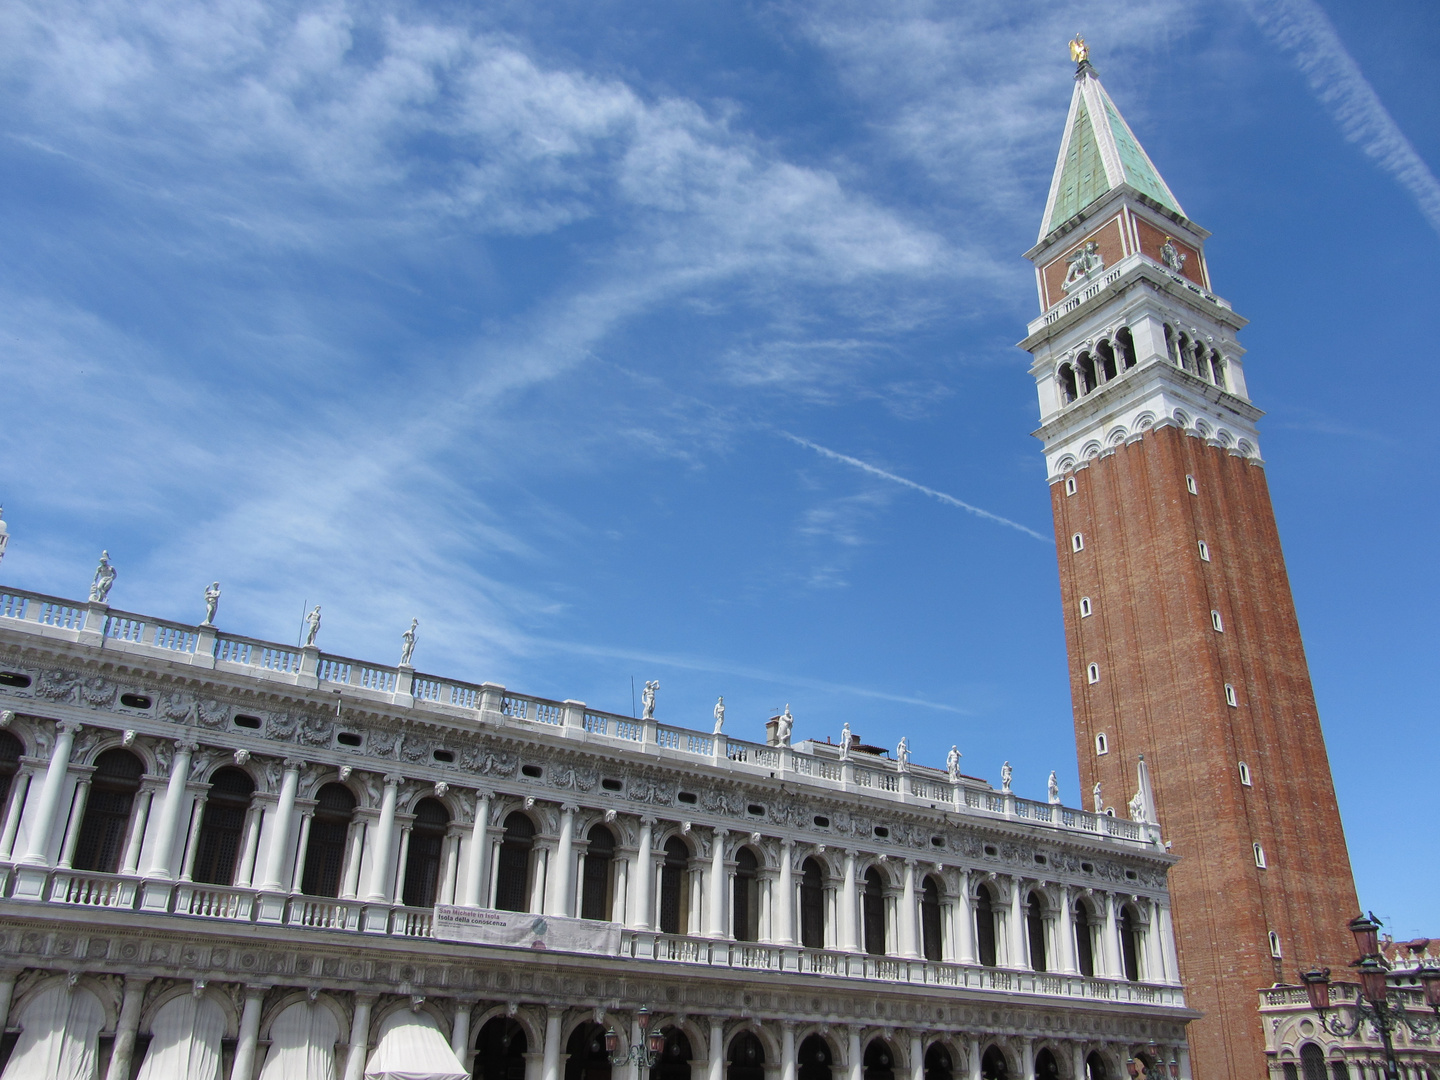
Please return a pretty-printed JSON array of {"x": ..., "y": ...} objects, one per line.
[{"x": 1180, "y": 627}]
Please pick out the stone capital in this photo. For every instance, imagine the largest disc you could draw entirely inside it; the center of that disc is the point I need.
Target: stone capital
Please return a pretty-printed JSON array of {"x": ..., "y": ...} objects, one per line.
[
  {"x": 393, "y": 779},
  {"x": 294, "y": 764}
]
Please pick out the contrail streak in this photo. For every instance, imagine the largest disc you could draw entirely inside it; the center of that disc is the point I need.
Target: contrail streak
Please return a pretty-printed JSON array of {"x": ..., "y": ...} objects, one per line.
[
  {"x": 1301, "y": 28},
  {"x": 947, "y": 499}
]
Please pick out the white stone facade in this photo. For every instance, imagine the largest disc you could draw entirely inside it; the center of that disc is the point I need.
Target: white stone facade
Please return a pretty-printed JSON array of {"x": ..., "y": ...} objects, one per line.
[
  {"x": 1298, "y": 1047},
  {"x": 787, "y": 892}
]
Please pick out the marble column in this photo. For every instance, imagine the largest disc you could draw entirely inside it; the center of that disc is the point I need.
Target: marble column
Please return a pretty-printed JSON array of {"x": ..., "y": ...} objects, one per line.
[
  {"x": 1077, "y": 1061},
  {"x": 718, "y": 923},
  {"x": 909, "y": 929},
  {"x": 787, "y": 1050},
  {"x": 359, "y": 1048},
  {"x": 383, "y": 867},
  {"x": 254, "y": 819},
  {"x": 974, "y": 1064},
  {"x": 162, "y": 851},
  {"x": 550, "y": 1070},
  {"x": 72, "y": 828},
  {"x": 43, "y": 823},
  {"x": 1019, "y": 954},
  {"x": 1114, "y": 962},
  {"x": 7, "y": 993},
  {"x": 460, "y": 1031},
  {"x": 192, "y": 839},
  {"x": 1027, "y": 1059},
  {"x": 18, "y": 791},
  {"x": 917, "y": 1057},
  {"x": 854, "y": 1054},
  {"x": 136, "y": 840},
  {"x": 1167, "y": 943},
  {"x": 397, "y": 891},
  {"x": 717, "y": 1048},
  {"x": 479, "y": 849},
  {"x": 354, "y": 859},
  {"x": 126, "y": 1024},
  {"x": 965, "y": 921},
  {"x": 280, "y": 831},
  {"x": 245, "y": 1044},
  {"x": 640, "y": 909},
  {"x": 846, "y": 939},
  {"x": 1065, "y": 932},
  {"x": 783, "y": 906},
  {"x": 562, "y": 893}
]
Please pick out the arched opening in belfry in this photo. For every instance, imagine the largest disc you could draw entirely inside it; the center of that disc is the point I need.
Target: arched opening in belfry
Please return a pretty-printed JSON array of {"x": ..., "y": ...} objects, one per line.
[
  {"x": 1217, "y": 369},
  {"x": 1126, "y": 342},
  {"x": 10, "y": 751},
  {"x": 1170, "y": 344},
  {"x": 1182, "y": 352},
  {"x": 1105, "y": 356},
  {"x": 1085, "y": 371},
  {"x": 1068, "y": 392}
]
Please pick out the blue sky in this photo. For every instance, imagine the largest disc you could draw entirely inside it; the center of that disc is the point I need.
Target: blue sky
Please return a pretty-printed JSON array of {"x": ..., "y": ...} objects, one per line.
[{"x": 553, "y": 325}]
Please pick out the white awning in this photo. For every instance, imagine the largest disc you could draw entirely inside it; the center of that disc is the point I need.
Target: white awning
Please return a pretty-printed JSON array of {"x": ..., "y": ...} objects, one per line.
[
  {"x": 185, "y": 1040},
  {"x": 302, "y": 1044},
  {"x": 412, "y": 1048},
  {"x": 58, "y": 1030}
]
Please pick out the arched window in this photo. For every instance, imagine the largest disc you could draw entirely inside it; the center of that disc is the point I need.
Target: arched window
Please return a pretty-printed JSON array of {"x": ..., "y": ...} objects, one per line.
[
  {"x": 1094, "y": 1064},
  {"x": 1105, "y": 361},
  {"x": 930, "y": 935},
  {"x": 993, "y": 1066},
  {"x": 985, "y": 925},
  {"x": 674, "y": 1063},
  {"x": 746, "y": 907},
  {"x": 107, "y": 812},
  {"x": 938, "y": 1064},
  {"x": 879, "y": 1061},
  {"x": 1085, "y": 373},
  {"x": 500, "y": 1050},
  {"x": 329, "y": 829},
  {"x": 10, "y": 751},
  {"x": 873, "y": 915},
  {"x": 1340, "y": 1071},
  {"x": 1068, "y": 391},
  {"x": 1130, "y": 943},
  {"x": 1217, "y": 370},
  {"x": 812, "y": 905},
  {"x": 595, "y": 882},
  {"x": 1126, "y": 342},
  {"x": 1312, "y": 1062},
  {"x": 1035, "y": 930},
  {"x": 1183, "y": 352},
  {"x": 1046, "y": 1067},
  {"x": 512, "y": 878},
  {"x": 746, "y": 1060},
  {"x": 1170, "y": 343},
  {"x": 1084, "y": 939},
  {"x": 222, "y": 826},
  {"x": 674, "y": 879},
  {"x": 424, "y": 855},
  {"x": 587, "y": 1059},
  {"x": 814, "y": 1059}
]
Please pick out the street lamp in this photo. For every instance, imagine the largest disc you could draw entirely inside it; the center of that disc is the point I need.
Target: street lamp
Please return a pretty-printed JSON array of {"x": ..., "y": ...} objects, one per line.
[
  {"x": 652, "y": 1044},
  {"x": 1374, "y": 1004}
]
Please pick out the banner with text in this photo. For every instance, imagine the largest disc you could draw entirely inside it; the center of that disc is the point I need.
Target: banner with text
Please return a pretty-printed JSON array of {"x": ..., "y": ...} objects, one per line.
[{"x": 523, "y": 930}]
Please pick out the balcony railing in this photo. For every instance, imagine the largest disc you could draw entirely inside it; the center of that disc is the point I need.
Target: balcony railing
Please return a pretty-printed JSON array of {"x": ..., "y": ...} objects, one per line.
[{"x": 808, "y": 764}]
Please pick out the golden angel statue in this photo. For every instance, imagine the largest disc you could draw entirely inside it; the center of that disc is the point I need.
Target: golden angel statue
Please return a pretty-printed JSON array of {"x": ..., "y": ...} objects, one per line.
[{"x": 1079, "y": 51}]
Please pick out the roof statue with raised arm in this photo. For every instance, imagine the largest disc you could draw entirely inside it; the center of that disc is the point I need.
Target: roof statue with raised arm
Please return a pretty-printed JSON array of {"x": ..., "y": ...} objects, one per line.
[
  {"x": 407, "y": 644},
  {"x": 1079, "y": 51},
  {"x": 312, "y": 626},
  {"x": 952, "y": 764}
]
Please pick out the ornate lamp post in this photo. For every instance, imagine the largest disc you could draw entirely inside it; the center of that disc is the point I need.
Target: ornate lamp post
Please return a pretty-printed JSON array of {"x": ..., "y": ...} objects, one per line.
[
  {"x": 652, "y": 1044},
  {"x": 1375, "y": 1004}
]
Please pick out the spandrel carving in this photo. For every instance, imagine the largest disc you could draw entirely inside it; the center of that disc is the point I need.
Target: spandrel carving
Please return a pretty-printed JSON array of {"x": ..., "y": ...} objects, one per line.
[
  {"x": 315, "y": 730},
  {"x": 57, "y": 685}
]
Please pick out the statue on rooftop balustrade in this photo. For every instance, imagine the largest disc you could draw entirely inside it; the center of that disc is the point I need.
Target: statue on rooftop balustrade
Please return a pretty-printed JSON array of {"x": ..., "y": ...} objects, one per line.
[
  {"x": 902, "y": 752},
  {"x": 1006, "y": 773},
  {"x": 1054, "y": 788},
  {"x": 1099, "y": 799},
  {"x": 720, "y": 715},
  {"x": 312, "y": 626},
  {"x": 785, "y": 727},
  {"x": 1137, "y": 807},
  {"x": 407, "y": 643},
  {"x": 952, "y": 764},
  {"x": 647, "y": 699},
  {"x": 846, "y": 738},
  {"x": 212, "y": 601},
  {"x": 104, "y": 580}
]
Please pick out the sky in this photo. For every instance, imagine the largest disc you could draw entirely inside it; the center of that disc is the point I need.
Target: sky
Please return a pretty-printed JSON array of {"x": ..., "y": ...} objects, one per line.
[{"x": 627, "y": 341}]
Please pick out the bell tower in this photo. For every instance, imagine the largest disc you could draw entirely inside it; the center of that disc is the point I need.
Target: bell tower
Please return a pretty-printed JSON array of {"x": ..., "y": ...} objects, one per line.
[{"x": 1180, "y": 627}]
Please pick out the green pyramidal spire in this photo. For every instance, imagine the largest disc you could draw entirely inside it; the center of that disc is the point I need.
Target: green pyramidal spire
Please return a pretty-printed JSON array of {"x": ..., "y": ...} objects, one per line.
[{"x": 1098, "y": 152}]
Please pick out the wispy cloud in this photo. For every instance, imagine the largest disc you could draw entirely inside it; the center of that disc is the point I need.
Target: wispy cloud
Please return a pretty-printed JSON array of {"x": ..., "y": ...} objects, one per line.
[
  {"x": 1301, "y": 28},
  {"x": 949, "y": 500}
]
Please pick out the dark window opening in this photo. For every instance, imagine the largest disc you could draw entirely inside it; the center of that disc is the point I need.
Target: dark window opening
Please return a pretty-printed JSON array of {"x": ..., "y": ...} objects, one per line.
[
  {"x": 242, "y": 720},
  {"x": 1130, "y": 945},
  {"x": 930, "y": 920},
  {"x": 879, "y": 1062},
  {"x": 425, "y": 854},
  {"x": 1035, "y": 931},
  {"x": 345, "y": 738},
  {"x": 674, "y": 875},
  {"x": 595, "y": 880},
  {"x": 610, "y": 784},
  {"x": 1067, "y": 384},
  {"x": 1126, "y": 342},
  {"x": 746, "y": 907},
  {"x": 1094, "y": 1064},
  {"x": 512, "y": 879},
  {"x": 938, "y": 1064},
  {"x": 588, "y": 1059},
  {"x": 822, "y": 822},
  {"x": 1046, "y": 1067},
  {"x": 500, "y": 1051},
  {"x": 674, "y": 1063},
  {"x": 10, "y": 751},
  {"x": 746, "y": 1060},
  {"x": 532, "y": 771},
  {"x": 1084, "y": 940},
  {"x": 985, "y": 926},
  {"x": 135, "y": 701},
  {"x": 814, "y": 1059},
  {"x": 222, "y": 826},
  {"x": 993, "y": 1066},
  {"x": 329, "y": 830},
  {"x": 755, "y": 809},
  {"x": 15, "y": 679},
  {"x": 688, "y": 797},
  {"x": 1312, "y": 1062},
  {"x": 882, "y": 832},
  {"x": 445, "y": 757},
  {"x": 812, "y": 905},
  {"x": 991, "y": 849},
  {"x": 873, "y": 913},
  {"x": 107, "y": 811}
]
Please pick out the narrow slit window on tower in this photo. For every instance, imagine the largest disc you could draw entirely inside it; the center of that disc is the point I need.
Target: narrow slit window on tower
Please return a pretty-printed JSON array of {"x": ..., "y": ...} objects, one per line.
[
  {"x": 1230, "y": 698},
  {"x": 1190, "y": 485},
  {"x": 1070, "y": 485},
  {"x": 1077, "y": 542},
  {"x": 1217, "y": 622},
  {"x": 1275, "y": 945},
  {"x": 1102, "y": 744},
  {"x": 1259, "y": 856},
  {"x": 1092, "y": 673},
  {"x": 1245, "y": 774},
  {"x": 1204, "y": 551},
  {"x": 1085, "y": 607}
]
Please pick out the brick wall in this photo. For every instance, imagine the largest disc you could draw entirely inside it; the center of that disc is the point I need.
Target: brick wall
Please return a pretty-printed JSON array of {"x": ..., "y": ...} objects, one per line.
[{"x": 1161, "y": 693}]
